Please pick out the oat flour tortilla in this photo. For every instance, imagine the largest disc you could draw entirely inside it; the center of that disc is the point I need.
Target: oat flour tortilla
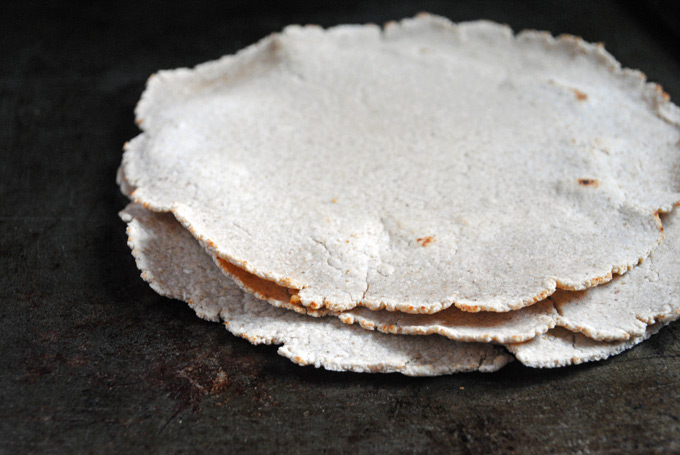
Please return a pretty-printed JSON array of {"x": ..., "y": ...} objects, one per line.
[
  {"x": 175, "y": 265},
  {"x": 625, "y": 307},
  {"x": 560, "y": 347},
  {"x": 415, "y": 167},
  {"x": 509, "y": 327},
  {"x": 615, "y": 311},
  {"x": 620, "y": 310}
]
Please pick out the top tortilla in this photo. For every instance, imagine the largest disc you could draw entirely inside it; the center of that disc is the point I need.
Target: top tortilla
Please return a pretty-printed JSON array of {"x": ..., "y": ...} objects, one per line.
[{"x": 413, "y": 168}]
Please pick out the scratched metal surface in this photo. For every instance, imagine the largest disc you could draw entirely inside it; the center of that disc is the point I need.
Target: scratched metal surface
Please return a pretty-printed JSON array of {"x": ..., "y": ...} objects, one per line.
[{"x": 92, "y": 361}]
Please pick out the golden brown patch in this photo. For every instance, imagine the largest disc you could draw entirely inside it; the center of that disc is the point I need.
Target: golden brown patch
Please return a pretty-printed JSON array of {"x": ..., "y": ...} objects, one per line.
[
  {"x": 334, "y": 200},
  {"x": 425, "y": 241},
  {"x": 581, "y": 96},
  {"x": 589, "y": 182},
  {"x": 145, "y": 204},
  {"x": 599, "y": 280},
  {"x": 663, "y": 94},
  {"x": 262, "y": 288},
  {"x": 658, "y": 221}
]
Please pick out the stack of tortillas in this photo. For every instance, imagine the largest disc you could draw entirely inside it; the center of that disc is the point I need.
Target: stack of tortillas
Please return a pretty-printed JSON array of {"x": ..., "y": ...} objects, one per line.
[{"x": 425, "y": 198}]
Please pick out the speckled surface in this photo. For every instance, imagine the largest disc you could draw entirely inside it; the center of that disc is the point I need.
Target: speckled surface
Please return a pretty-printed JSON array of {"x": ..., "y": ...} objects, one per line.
[{"x": 93, "y": 361}]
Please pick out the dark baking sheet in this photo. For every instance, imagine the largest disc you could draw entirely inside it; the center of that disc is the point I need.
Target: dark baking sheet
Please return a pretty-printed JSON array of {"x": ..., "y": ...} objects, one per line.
[{"x": 93, "y": 361}]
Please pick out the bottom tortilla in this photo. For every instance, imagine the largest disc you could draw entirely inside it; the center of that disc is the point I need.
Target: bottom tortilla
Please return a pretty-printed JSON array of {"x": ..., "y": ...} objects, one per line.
[
  {"x": 175, "y": 265},
  {"x": 560, "y": 347}
]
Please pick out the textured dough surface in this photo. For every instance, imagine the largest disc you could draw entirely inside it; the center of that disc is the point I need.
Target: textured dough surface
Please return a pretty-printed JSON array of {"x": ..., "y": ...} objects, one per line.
[
  {"x": 175, "y": 265},
  {"x": 626, "y": 306},
  {"x": 560, "y": 347},
  {"x": 615, "y": 311},
  {"x": 619, "y": 310},
  {"x": 510, "y": 327},
  {"x": 413, "y": 168}
]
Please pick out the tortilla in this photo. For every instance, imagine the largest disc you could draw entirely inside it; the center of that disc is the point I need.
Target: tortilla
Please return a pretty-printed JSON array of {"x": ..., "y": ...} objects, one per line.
[
  {"x": 624, "y": 308},
  {"x": 175, "y": 265},
  {"x": 453, "y": 323},
  {"x": 412, "y": 168},
  {"x": 615, "y": 311},
  {"x": 560, "y": 347},
  {"x": 510, "y": 327},
  {"x": 619, "y": 310}
]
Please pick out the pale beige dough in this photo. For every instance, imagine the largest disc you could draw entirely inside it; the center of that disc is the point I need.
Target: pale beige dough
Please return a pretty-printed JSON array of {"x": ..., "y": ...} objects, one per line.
[
  {"x": 413, "y": 168},
  {"x": 176, "y": 266},
  {"x": 560, "y": 347}
]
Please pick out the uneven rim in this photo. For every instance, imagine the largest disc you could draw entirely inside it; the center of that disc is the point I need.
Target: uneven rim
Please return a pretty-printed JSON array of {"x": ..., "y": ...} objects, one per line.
[{"x": 653, "y": 93}]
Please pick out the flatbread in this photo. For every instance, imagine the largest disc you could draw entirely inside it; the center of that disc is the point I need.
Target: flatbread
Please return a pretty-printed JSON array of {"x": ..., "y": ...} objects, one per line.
[
  {"x": 453, "y": 323},
  {"x": 510, "y": 327},
  {"x": 560, "y": 347},
  {"x": 175, "y": 265},
  {"x": 616, "y": 311},
  {"x": 413, "y": 168},
  {"x": 622, "y": 309}
]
